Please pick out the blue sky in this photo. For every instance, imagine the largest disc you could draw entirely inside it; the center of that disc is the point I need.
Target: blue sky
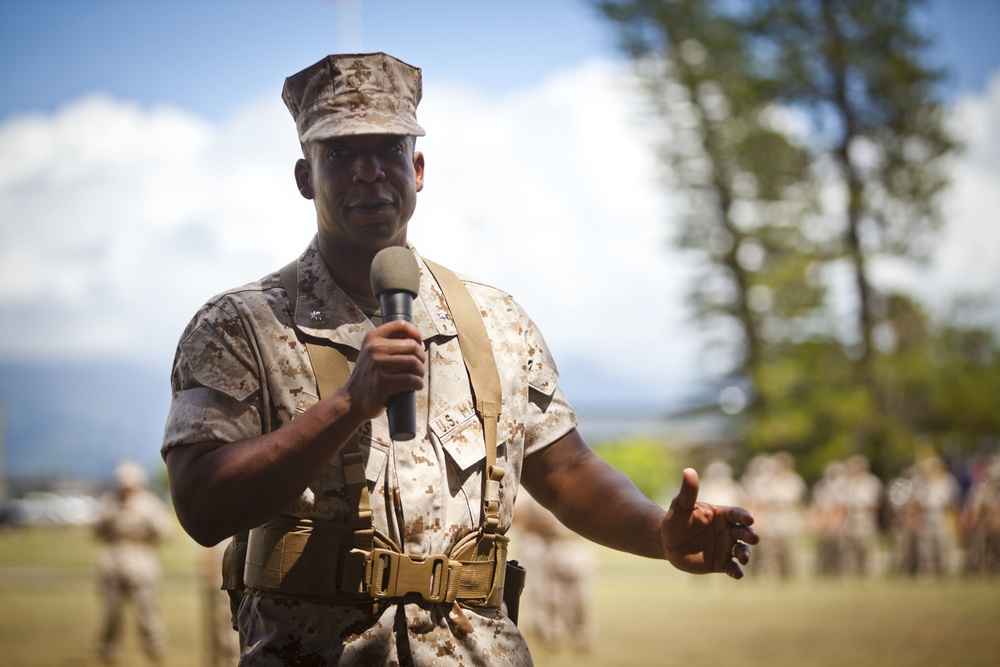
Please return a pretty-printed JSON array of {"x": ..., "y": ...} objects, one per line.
[
  {"x": 145, "y": 164},
  {"x": 210, "y": 56}
]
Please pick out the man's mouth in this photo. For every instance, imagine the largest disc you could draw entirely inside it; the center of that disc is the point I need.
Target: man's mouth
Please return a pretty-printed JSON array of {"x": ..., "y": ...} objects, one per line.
[{"x": 372, "y": 207}]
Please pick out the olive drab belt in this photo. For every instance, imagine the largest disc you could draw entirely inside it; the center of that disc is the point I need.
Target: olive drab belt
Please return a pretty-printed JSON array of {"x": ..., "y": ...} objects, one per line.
[
  {"x": 314, "y": 559},
  {"x": 350, "y": 561}
]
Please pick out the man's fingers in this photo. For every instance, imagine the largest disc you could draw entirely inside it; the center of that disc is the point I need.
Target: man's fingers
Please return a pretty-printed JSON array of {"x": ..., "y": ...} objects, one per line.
[
  {"x": 739, "y": 515},
  {"x": 733, "y": 569},
  {"x": 741, "y": 552},
  {"x": 744, "y": 534},
  {"x": 687, "y": 497}
]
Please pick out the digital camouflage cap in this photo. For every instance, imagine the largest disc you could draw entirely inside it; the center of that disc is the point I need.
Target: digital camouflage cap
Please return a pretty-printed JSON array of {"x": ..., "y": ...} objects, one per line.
[{"x": 362, "y": 93}]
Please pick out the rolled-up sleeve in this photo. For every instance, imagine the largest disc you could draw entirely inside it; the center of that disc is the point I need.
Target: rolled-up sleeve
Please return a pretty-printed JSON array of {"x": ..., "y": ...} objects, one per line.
[
  {"x": 550, "y": 415},
  {"x": 214, "y": 381}
]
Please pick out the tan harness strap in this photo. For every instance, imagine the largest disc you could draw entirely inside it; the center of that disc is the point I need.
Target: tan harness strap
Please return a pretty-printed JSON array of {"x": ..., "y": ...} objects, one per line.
[
  {"x": 477, "y": 352},
  {"x": 332, "y": 372}
]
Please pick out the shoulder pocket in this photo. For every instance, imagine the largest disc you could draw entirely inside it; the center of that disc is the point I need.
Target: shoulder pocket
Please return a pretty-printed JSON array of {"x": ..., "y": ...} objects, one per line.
[{"x": 213, "y": 364}]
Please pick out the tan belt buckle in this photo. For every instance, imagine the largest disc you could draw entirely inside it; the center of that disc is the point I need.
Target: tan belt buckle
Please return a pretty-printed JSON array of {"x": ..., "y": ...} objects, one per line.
[{"x": 393, "y": 575}]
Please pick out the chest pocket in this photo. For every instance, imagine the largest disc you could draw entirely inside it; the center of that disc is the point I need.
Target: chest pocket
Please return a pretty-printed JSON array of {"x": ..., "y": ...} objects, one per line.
[
  {"x": 373, "y": 443},
  {"x": 460, "y": 434}
]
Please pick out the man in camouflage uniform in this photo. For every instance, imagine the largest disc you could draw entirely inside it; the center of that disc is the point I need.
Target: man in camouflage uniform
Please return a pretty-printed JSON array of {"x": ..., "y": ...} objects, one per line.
[
  {"x": 562, "y": 566},
  {"x": 250, "y": 438},
  {"x": 130, "y": 524},
  {"x": 828, "y": 514},
  {"x": 937, "y": 492},
  {"x": 863, "y": 500},
  {"x": 981, "y": 519},
  {"x": 779, "y": 493}
]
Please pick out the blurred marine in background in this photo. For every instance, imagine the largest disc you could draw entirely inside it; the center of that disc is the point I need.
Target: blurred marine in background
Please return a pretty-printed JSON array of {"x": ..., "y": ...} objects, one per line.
[{"x": 131, "y": 523}]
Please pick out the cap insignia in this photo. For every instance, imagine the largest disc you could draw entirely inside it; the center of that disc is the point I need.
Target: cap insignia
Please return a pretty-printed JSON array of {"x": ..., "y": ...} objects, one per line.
[{"x": 361, "y": 74}]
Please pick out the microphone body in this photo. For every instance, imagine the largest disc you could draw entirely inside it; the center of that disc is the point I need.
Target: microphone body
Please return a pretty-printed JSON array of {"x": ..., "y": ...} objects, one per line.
[
  {"x": 401, "y": 407},
  {"x": 395, "y": 280}
]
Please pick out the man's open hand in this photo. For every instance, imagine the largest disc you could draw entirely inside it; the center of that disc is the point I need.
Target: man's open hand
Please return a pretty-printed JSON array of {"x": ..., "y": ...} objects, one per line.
[{"x": 700, "y": 538}]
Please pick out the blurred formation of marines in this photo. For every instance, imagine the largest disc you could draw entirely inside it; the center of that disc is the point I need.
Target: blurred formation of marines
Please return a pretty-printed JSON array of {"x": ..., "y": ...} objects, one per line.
[
  {"x": 776, "y": 495},
  {"x": 561, "y": 567},
  {"x": 981, "y": 519},
  {"x": 827, "y": 517},
  {"x": 362, "y": 549},
  {"x": 846, "y": 503},
  {"x": 863, "y": 492},
  {"x": 925, "y": 510},
  {"x": 132, "y": 521},
  {"x": 938, "y": 494},
  {"x": 718, "y": 486},
  {"x": 222, "y": 645}
]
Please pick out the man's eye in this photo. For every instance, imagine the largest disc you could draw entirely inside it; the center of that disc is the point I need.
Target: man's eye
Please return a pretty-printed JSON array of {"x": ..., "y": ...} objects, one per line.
[
  {"x": 336, "y": 152},
  {"x": 392, "y": 148}
]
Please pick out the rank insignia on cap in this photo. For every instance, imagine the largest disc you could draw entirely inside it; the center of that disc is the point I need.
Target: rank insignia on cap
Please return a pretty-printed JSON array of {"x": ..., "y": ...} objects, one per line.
[{"x": 359, "y": 76}]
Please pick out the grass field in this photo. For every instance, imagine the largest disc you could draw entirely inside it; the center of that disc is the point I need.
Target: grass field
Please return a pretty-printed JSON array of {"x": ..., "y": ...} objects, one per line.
[{"x": 646, "y": 614}]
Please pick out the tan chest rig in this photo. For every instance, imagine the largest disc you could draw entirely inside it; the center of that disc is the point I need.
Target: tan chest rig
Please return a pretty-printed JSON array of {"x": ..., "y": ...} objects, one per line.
[{"x": 353, "y": 563}]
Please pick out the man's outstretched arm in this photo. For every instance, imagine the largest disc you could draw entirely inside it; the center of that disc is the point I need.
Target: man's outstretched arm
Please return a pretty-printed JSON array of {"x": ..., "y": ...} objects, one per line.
[{"x": 600, "y": 503}]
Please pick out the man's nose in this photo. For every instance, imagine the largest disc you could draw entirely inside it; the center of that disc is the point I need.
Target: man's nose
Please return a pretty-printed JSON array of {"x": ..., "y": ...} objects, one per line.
[{"x": 368, "y": 169}]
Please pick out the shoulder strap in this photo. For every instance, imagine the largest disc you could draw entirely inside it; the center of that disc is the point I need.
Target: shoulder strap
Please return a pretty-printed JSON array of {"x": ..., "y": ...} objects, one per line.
[
  {"x": 477, "y": 352},
  {"x": 332, "y": 371}
]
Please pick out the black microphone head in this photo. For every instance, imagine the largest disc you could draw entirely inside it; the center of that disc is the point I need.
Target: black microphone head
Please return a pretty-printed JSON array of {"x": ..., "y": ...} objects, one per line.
[{"x": 395, "y": 269}]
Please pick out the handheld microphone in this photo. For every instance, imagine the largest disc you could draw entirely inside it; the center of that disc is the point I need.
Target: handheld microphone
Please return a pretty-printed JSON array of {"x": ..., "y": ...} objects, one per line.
[{"x": 395, "y": 280}]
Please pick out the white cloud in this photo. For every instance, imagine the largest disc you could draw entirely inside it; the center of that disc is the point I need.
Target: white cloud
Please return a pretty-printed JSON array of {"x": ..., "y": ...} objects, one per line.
[
  {"x": 969, "y": 255},
  {"x": 117, "y": 222},
  {"x": 966, "y": 257},
  {"x": 553, "y": 195}
]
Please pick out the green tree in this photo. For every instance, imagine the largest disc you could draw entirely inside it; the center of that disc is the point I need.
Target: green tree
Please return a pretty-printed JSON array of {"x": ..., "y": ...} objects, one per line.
[
  {"x": 647, "y": 463},
  {"x": 942, "y": 377},
  {"x": 856, "y": 67},
  {"x": 746, "y": 182},
  {"x": 726, "y": 78}
]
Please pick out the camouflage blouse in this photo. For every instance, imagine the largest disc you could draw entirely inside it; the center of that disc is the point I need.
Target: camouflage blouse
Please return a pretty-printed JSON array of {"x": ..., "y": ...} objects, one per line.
[{"x": 241, "y": 371}]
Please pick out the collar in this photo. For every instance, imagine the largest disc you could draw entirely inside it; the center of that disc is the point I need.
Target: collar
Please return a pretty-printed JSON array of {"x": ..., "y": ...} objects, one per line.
[{"x": 323, "y": 310}]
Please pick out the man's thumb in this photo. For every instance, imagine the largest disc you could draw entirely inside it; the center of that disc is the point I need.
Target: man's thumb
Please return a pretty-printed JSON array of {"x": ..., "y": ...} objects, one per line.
[{"x": 688, "y": 495}]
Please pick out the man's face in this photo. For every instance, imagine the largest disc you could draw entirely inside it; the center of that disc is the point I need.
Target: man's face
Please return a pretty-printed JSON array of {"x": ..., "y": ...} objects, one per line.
[{"x": 364, "y": 187}]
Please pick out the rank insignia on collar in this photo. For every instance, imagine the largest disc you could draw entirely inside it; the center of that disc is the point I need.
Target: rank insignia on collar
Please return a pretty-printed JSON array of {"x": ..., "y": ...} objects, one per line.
[{"x": 316, "y": 316}]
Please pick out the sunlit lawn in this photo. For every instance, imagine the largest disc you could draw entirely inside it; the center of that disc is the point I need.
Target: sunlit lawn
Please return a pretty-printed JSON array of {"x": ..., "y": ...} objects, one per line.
[{"x": 645, "y": 614}]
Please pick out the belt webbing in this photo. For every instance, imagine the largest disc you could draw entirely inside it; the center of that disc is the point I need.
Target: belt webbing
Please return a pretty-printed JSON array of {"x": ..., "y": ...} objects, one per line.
[{"x": 307, "y": 558}]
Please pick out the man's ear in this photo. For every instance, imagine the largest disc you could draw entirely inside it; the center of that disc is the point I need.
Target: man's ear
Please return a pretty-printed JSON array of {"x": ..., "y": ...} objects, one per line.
[
  {"x": 303, "y": 178},
  {"x": 418, "y": 169}
]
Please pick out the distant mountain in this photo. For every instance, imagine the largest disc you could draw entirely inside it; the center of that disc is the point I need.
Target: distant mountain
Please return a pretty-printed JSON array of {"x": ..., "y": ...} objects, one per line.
[
  {"x": 78, "y": 419},
  {"x": 591, "y": 389}
]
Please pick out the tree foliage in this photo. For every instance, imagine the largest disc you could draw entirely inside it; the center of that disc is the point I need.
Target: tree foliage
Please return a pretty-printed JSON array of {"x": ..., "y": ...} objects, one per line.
[
  {"x": 746, "y": 182},
  {"x": 647, "y": 463},
  {"x": 774, "y": 204}
]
